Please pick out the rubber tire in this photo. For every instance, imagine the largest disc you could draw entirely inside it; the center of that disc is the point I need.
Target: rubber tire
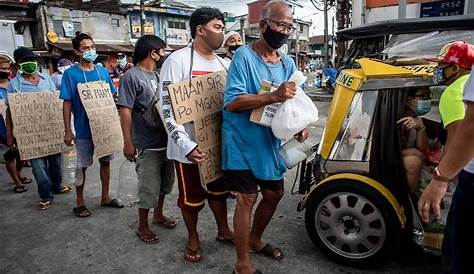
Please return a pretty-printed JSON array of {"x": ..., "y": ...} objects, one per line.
[{"x": 392, "y": 222}]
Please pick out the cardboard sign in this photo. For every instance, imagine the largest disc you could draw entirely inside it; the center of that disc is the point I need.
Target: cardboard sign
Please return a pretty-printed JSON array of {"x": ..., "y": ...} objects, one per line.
[
  {"x": 37, "y": 123},
  {"x": 210, "y": 169},
  {"x": 3, "y": 109},
  {"x": 104, "y": 120},
  {"x": 264, "y": 115},
  {"x": 197, "y": 98}
]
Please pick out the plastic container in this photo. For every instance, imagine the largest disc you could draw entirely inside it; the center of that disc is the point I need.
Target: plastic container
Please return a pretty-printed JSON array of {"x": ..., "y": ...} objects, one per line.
[
  {"x": 294, "y": 151},
  {"x": 72, "y": 174}
]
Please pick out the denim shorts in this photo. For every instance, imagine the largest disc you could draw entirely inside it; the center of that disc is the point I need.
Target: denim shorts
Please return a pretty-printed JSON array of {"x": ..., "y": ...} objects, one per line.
[{"x": 85, "y": 153}]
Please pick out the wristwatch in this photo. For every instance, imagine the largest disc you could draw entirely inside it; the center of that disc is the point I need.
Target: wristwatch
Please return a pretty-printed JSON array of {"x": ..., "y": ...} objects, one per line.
[{"x": 438, "y": 177}]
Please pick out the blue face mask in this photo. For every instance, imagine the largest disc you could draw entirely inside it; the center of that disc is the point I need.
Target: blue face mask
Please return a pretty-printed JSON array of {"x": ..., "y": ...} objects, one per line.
[
  {"x": 90, "y": 55},
  {"x": 438, "y": 76},
  {"x": 423, "y": 107}
]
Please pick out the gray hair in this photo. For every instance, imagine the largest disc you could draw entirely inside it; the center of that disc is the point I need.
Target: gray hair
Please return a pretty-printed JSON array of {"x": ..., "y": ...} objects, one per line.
[{"x": 267, "y": 10}]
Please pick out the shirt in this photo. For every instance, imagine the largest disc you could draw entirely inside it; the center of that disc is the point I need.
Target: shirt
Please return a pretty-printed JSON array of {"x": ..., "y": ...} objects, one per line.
[
  {"x": 57, "y": 77},
  {"x": 469, "y": 96},
  {"x": 247, "y": 145},
  {"x": 451, "y": 105},
  {"x": 3, "y": 128},
  {"x": 176, "y": 68},
  {"x": 71, "y": 78},
  {"x": 137, "y": 91},
  {"x": 20, "y": 84}
]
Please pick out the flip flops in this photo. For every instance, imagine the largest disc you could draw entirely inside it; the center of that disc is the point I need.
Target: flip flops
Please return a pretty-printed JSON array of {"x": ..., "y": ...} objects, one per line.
[
  {"x": 20, "y": 189},
  {"x": 167, "y": 222},
  {"x": 256, "y": 272},
  {"x": 225, "y": 241},
  {"x": 114, "y": 203},
  {"x": 43, "y": 205},
  {"x": 192, "y": 256},
  {"x": 269, "y": 251},
  {"x": 63, "y": 190},
  {"x": 81, "y": 212},
  {"x": 148, "y": 239}
]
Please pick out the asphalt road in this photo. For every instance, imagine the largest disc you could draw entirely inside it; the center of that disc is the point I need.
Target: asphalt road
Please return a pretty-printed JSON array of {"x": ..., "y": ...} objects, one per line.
[{"x": 54, "y": 241}]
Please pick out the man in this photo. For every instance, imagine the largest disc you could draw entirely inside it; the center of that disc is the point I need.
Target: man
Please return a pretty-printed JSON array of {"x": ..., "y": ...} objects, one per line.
[
  {"x": 413, "y": 136},
  {"x": 46, "y": 170},
  {"x": 250, "y": 151},
  {"x": 83, "y": 72},
  {"x": 63, "y": 65},
  {"x": 122, "y": 66},
  {"x": 453, "y": 69},
  {"x": 232, "y": 41},
  {"x": 12, "y": 158},
  {"x": 143, "y": 130},
  {"x": 207, "y": 26}
]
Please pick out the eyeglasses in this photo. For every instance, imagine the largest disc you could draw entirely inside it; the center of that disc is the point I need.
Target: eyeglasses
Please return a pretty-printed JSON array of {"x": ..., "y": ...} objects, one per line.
[
  {"x": 282, "y": 26},
  {"x": 425, "y": 96}
]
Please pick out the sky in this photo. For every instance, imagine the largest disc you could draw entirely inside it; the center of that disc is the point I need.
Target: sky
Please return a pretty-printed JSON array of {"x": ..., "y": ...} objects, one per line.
[{"x": 239, "y": 7}]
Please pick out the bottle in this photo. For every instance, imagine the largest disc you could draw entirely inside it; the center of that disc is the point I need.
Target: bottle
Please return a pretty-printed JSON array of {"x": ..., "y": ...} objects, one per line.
[
  {"x": 294, "y": 151},
  {"x": 72, "y": 174}
]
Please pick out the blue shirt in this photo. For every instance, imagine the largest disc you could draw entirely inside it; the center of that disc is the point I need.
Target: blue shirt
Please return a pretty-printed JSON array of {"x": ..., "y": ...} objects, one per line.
[
  {"x": 3, "y": 128},
  {"x": 71, "y": 78},
  {"x": 20, "y": 84},
  {"x": 247, "y": 145}
]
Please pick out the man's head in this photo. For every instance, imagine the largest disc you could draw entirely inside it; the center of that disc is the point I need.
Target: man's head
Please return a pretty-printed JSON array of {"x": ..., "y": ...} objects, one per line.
[
  {"x": 5, "y": 63},
  {"x": 122, "y": 60},
  {"x": 277, "y": 23},
  {"x": 26, "y": 60},
  {"x": 150, "y": 47},
  {"x": 419, "y": 100},
  {"x": 64, "y": 64},
  {"x": 455, "y": 60},
  {"x": 232, "y": 41},
  {"x": 207, "y": 26},
  {"x": 84, "y": 47}
]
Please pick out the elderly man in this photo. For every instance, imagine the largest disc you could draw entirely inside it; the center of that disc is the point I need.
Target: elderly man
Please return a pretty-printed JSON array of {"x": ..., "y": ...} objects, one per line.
[
  {"x": 232, "y": 41},
  {"x": 250, "y": 151}
]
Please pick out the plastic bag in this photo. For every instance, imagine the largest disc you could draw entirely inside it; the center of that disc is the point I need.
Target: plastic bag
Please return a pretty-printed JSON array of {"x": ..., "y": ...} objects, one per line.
[
  {"x": 294, "y": 114},
  {"x": 127, "y": 184}
]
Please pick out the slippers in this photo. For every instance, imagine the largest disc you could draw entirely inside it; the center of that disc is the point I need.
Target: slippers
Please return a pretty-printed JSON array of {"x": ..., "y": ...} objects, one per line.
[
  {"x": 43, "y": 205},
  {"x": 63, "y": 190},
  {"x": 25, "y": 180},
  {"x": 192, "y": 256},
  {"x": 148, "y": 239},
  {"x": 20, "y": 189},
  {"x": 114, "y": 203},
  {"x": 256, "y": 272},
  {"x": 167, "y": 222},
  {"x": 269, "y": 251},
  {"x": 81, "y": 212},
  {"x": 225, "y": 241}
]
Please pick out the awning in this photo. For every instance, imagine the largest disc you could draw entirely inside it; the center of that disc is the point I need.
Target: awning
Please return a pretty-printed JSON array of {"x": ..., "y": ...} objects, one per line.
[{"x": 101, "y": 48}]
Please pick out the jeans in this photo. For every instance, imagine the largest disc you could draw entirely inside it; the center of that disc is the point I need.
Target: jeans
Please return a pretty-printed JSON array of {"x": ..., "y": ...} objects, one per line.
[
  {"x": 48, "y": 175},
  {"x": 459, "y": 235}
]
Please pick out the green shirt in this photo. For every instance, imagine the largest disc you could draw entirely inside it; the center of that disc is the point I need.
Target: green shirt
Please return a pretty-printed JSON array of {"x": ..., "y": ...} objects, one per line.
[{"x": 451, "y": 104}]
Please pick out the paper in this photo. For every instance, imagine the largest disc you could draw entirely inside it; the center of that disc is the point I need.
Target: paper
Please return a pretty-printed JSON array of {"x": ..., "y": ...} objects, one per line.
[
  {"x": 3, "y": 109},
  {"x": 264, "y": 115}
]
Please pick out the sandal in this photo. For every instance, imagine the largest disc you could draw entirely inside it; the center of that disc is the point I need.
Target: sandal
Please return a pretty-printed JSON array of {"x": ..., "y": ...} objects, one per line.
[
  {"x": 167, "y": 222},
  {"x": 25, "y": 180},
  {"x": 113, "y": 203},
  {"x": 43, "y": 205},
  {"x": 192, "y": 256},
  {"x": 256, "y": 272},
  {"x": 63, "y": 190},
  {"x": 269, "y": 251},
  {"x": 20, "y": 189},
  {"x": 148, "y": 239},
  {"x": 225, "y": 241},
  {"x": 81, "y": 212}
]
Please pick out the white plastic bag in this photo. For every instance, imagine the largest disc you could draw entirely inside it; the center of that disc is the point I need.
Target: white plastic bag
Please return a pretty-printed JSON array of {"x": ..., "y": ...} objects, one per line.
[{"x": 294, "y": 114}]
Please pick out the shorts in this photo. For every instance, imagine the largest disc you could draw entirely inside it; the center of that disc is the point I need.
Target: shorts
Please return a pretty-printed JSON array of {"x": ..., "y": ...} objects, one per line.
[
  {"x": 191, "y": 193},
  {"x": 155, "y": 176},
  {"x": 243, "y": 181},
  {"x": 85, "y": 153},
  {"x": 11, "y": 154}
]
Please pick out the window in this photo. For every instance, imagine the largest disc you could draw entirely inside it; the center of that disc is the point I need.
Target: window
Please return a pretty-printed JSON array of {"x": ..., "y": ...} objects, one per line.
[
  {"x": 115, "y": 22},
  {"x": 58, "y": 27},
  {"x": 176, "y": 25},
  {"x": 301, "y": 27},
  {"x": 77, "y": 26}
]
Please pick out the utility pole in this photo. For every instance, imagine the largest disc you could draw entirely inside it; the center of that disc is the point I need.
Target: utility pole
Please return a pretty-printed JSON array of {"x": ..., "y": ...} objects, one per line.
[
  {"x": 332, "y": 42},
  {"x": 142, "y": 17},
  {"x": 326, "y": 32},
  {"x": 402, "y": 9},
  {"x": 297, "y": 47},
  {"x": 342, "y": 14}
]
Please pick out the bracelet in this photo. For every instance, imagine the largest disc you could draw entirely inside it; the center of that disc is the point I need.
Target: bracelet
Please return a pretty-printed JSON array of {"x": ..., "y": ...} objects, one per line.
[{"x": 438, "y": 177}]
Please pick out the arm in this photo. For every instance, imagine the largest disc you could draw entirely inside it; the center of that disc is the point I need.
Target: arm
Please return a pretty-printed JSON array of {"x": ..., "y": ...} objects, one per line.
[
  {"x": 128, "y": 89},
  {"x": 451, "y": 128},
  {"x": 68, "y": 135},
  {"x": 248, "y": 102},
  {"x": 421, "y": 139},
  {"x": 129, "y": 149},
  {"x": 9, "y": 125}
]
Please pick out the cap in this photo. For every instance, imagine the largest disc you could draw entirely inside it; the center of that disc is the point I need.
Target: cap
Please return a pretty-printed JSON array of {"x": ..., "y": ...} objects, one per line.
[
  {"x": 21, "y": 54},
  {"x": 5, "y": 55},
  {"x": 228, "y": 35},
  {"x": 460, "y": 53},
  {"x": 64, "y": 62},
  {"x": 121, "y": 55}
]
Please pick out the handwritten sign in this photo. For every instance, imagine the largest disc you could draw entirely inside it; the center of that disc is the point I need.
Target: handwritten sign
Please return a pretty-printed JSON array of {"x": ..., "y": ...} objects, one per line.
[
  {"x": 103, "y": 117},
  {"x": 37, "y": 123},
  {"x": 210, "y": 169},
  {"x": 3, "y": 109},
  {"x": 197, "y": 98},
  {"x": 264, "y": 115}
]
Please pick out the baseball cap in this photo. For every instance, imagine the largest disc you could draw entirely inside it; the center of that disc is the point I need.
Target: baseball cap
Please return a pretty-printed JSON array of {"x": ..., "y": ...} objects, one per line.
[
  {"x": 460, "y": 53},
  {"x": 228, "y": 35},
  {"x": 22, "y": 54}
]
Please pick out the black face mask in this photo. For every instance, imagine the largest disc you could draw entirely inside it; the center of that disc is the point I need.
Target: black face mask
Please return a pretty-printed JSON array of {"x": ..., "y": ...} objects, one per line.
[
  {"x": 274, "y": 38},
  {"x": 4, "y": 75},
  {"x": 233, "y": 48}
]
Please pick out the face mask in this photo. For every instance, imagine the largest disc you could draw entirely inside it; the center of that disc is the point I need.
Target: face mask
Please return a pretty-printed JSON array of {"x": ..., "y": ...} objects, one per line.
[
  {"x": 423, "y": 107},
  {"x": 438, "y": 76},
  {"x": 233, "y": 48},
  {"x": 122, "y": 62},
  {"x": 4, "y": 75},
  {"x": 29, "y": 67},
  {"x": 215, "y": 40},
  {"x": 274, "y": 38},
  {"x": 63, "y": 68},
  {"x": 90, "y": 55}
]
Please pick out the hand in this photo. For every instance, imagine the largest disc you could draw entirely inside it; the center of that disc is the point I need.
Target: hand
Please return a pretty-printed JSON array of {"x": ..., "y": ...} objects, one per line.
[
  {"x": 431, "y": 198},
  {"x": 410, "y": 122},
  {"x": 303, "y": 135},
  {"x": 68, "y": 138},
  {"x": 129, "y": 151},
  {"x": 285, "y": 91},
  {"x": 196, "y": 156},
  {"x": 11, "y": 141}
]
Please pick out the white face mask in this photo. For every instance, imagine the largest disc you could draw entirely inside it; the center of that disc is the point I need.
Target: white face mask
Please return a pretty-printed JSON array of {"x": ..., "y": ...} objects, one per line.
[{"x": 63, "y": 69}]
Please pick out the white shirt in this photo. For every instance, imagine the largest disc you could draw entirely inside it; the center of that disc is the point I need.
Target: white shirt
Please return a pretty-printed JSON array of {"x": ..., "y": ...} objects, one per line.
[
  {"x": 469, "y": 96},
  {"x": 176, "y": 68}
]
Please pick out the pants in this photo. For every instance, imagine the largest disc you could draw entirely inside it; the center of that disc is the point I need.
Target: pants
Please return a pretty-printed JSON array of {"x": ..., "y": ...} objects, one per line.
[
  {"x": 459, "y": 235},
  {"x": 48, "y": 175}
]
